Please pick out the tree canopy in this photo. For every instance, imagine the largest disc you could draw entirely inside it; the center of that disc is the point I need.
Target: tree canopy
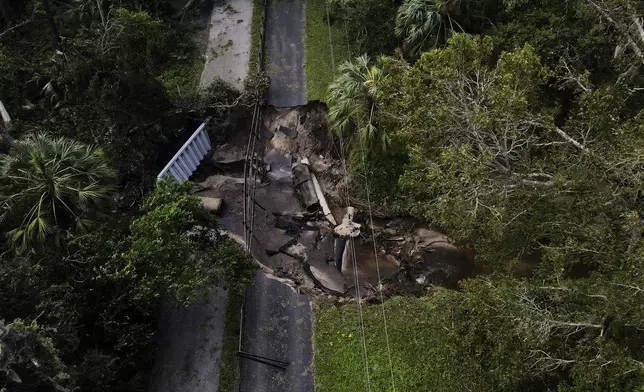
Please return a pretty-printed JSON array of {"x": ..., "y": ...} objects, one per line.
[
  {"x": 101, "y": 94},
  {"x": 516, "y": 130}
]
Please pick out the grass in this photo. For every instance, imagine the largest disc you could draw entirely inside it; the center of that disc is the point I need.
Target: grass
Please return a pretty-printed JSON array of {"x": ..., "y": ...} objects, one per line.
[
  {"x": 182, "y": 77},
  {"x": 319, "y": 72},
  {"x": 228, "y": 370},
  {"x": 446, "y": 341},
  {"x": 257, "y": 27},
  {"x": 338, "y": 349}
]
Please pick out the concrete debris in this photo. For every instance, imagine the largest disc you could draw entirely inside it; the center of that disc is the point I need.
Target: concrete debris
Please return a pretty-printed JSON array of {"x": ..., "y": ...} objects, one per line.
[
  {"x": 318, "y": 163},
  {"x": 227, "y": 153},
  {"x": 308, "y": 238},
  {"x": 295, "y": 250},
  {"x": 338, "y": 251},
  {"x": 275, "y": 241},
  {"x": 279, "y": 166},
  {"x": 212, "y": 204},
  {"x": 264, "y": 132},
  {"x": 288, "y": 132},
  {"x": 329, "y": 278},
  {"x": 348, "y": 228},
  {"x": 322, "y": 200},
  {"x": 303, "y": 184}
]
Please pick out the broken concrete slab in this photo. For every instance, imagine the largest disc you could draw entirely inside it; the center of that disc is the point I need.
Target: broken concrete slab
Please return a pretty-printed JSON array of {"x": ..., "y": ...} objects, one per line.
[
  {"x": 288, "y": 132},
  {"x": 273, "y": 241},
  {"x": 303, "y": 184},
  {"x": 426, "y": 238},
  {"x": 212, "y": 204},
  {"x": 264, "y": 132},
  {"x": 320, "y": 194},
  {"x": 279, "y": 165},
  {"x": 327, "y": 277},
  {"x": 308, "y": 239}
]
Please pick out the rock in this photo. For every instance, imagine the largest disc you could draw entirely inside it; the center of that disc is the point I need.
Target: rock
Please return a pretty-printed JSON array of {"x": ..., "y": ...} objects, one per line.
[
  {"x": 264, "y": 132},
  {"x": 295, "y": 250},
  {"x": 308, "y": 239},
  {"x": 228, "y": 153},
  {"x": 212, "y": 204},
  {"x": 288, "y": 132},
  {"x": 318, "y": 164},
  {"x": 432, "y": 239}
]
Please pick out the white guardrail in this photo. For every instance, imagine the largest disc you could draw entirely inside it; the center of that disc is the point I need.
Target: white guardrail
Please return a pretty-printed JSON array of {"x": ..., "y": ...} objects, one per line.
[{"x": 186, "y": 160}]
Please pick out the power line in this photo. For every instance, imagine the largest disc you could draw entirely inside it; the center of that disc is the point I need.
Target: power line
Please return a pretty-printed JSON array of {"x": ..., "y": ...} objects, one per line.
[
  {"x": 373, "y": 239},
  {"x": 375, "y": 253},
  {"x": 365, "y": 359}
]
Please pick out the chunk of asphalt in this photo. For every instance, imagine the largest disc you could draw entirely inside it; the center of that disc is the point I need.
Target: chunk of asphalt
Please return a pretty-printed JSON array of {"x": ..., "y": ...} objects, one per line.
[
  {"x": 288, "y": 132},
  {"x": 264, "y": 132},
  {"x": 328, "y": 278},
  {"x": 275, "y": 240}
]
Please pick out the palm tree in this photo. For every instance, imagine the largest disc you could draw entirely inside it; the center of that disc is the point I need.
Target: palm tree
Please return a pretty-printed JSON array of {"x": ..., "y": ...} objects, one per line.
[
  {"x": 51, "y": 186},
  {"x": 424, "y": 24},
  {"x": 353, "y": 101}
]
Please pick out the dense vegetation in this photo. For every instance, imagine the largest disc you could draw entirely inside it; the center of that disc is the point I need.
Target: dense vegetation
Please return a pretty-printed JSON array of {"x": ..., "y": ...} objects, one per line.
[
  {"x": 516, "y": 127},
  {"x": 100, "y": 95}
]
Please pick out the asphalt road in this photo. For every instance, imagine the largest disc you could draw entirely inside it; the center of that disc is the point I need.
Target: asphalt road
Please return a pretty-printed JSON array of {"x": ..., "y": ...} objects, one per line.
[
  {"x": 278, "y": 325},
  {"x": 285, "y": 52}
]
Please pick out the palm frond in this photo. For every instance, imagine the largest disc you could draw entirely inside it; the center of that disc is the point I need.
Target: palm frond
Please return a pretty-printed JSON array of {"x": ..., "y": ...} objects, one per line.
[{"x": 47, "y": 180}]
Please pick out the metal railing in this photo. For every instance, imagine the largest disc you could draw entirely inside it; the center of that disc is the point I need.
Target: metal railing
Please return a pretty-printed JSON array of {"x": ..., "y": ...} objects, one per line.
[{"x": 189, "y": 156}]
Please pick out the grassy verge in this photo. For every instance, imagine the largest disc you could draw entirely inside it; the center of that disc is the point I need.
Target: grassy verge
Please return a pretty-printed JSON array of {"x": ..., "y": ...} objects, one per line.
[
  {"x": 228, "y": 363},
  {"x": 319, "y": 73},
  {"x": 182, "y": 77},
  {"x": 257, "y": 27},
  {"x": 447, "y": 341}
]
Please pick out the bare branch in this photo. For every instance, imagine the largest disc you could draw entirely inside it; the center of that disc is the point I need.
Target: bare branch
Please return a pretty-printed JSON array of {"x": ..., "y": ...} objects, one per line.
[
  {"x": 10, "y": 29},
  {"x": 571, "y": 140}
]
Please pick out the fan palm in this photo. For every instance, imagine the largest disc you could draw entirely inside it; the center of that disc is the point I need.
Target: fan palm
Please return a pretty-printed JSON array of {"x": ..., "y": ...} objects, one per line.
[
  {"x": 353, "y": 98},
  {"x": 49, "y": 186},
  {"x": 424, "y": 24}
]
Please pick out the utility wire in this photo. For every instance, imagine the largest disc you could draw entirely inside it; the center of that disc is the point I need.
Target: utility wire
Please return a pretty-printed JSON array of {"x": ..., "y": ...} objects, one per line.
[
  {"x": 373, "y": 239},
  {"x": 375, "y": 253},
  {"x": 365, "y": 360}
]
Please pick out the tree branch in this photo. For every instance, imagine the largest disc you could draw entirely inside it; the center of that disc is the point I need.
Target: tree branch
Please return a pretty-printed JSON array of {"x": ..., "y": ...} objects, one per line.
[{"x": 571, "y": 140}]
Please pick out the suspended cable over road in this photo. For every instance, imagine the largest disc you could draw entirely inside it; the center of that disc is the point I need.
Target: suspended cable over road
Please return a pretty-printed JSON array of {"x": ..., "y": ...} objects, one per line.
[{"x": 365, "y": 359}]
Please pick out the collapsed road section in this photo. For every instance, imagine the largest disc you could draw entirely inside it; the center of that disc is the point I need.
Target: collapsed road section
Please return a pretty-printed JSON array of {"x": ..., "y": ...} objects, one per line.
[{"x": 301, "y": 223}]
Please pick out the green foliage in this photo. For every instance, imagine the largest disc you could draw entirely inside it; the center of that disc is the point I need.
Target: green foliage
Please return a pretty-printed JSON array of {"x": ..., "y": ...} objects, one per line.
[
  {"x": 228, "y": 362},
  {"x": 500, "y": 335},
  {"x": 256, "y": 34},
  {"x": 111, "y": 81},
  {"x": 558, "y": 29},
  {"x": 176, "y": 248},
  {"x": 353, "y": 102},
  {"x": 485, "y": 157},
  {"x": 319, "y": 70},
  {"x": 424, "y": 24},
  {"x": 51, "y": 186},
  {"x": 368, "y": 24},
  {"x": 123, "y": 79},
  {"x": 28, "y": 359}
]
